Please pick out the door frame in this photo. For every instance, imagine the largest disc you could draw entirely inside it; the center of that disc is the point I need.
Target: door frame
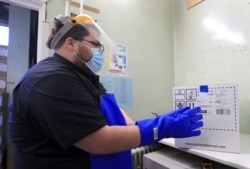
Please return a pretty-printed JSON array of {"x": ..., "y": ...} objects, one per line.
[{"x": 43, "y": 25}]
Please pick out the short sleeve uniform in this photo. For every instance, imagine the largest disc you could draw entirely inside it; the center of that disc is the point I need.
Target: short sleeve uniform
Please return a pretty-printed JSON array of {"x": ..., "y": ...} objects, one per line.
[{"x": 54, "y": 105}]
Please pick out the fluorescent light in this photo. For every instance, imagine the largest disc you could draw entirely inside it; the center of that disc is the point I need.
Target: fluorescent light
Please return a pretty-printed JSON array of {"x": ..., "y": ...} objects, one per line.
[{"x": 222, "y": 32}]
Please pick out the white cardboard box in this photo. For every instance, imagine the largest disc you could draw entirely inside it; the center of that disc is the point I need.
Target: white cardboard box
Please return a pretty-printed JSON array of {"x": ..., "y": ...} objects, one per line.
[{"x": 220, "y": 109}]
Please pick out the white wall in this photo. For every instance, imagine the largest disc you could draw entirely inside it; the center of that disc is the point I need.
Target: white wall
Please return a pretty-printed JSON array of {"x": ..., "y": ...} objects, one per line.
[
  {"x": 146, "y": 27},
  {"x": 211, "y": 54}
]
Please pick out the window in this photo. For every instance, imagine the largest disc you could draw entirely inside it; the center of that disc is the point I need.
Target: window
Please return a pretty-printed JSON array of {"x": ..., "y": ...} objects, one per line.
[{"x": 4, "y": 35}]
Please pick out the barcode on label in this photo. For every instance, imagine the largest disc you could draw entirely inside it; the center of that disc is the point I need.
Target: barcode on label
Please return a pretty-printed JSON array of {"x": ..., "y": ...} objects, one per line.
[{"x": 223, "y": 111}]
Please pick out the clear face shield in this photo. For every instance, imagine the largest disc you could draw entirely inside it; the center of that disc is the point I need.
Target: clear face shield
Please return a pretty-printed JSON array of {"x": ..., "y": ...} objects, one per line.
[{"x": 88, "y": 23}]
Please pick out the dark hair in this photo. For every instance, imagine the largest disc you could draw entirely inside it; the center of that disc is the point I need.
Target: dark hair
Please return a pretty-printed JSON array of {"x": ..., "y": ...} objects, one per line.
[{"x": 77, "y": 32}]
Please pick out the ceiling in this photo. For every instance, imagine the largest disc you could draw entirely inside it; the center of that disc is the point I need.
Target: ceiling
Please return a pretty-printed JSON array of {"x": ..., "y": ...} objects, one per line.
[{"x": 4, "y": 13}]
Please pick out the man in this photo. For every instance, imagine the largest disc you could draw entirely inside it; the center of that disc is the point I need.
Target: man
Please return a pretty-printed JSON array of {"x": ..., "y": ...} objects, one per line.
[{"x": 62, "y": 117}]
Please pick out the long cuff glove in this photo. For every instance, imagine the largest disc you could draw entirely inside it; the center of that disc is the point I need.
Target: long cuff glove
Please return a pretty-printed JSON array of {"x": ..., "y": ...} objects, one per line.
[{"x": 179, "y": 123}]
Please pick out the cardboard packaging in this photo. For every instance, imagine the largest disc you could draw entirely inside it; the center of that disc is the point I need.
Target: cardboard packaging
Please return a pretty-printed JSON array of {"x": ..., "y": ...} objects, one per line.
[{"x": 220, "y": 109}]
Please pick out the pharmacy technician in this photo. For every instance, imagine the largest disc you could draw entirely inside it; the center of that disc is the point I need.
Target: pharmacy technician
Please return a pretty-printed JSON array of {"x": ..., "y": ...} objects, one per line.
[{"x": 61, "y": 117}]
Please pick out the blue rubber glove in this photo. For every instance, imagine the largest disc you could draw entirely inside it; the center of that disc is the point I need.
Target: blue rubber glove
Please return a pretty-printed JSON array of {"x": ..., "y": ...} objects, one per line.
[{"x": 179, "y": 123}]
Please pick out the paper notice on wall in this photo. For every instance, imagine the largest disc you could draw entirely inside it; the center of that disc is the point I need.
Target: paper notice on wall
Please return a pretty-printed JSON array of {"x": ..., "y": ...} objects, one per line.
[
  {"x": 122, "y": 87},
  {"x": 220, "y": 109},
  {"x": 117, "y": 60}
]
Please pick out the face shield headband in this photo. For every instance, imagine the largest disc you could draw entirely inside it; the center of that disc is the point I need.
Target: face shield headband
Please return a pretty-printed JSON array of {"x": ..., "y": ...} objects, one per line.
[{"x": 87, "y": 22}]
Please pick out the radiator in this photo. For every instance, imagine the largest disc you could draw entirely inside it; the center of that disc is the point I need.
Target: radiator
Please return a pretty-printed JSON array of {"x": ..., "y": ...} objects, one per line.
[{"x": 137, "y": 154}]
